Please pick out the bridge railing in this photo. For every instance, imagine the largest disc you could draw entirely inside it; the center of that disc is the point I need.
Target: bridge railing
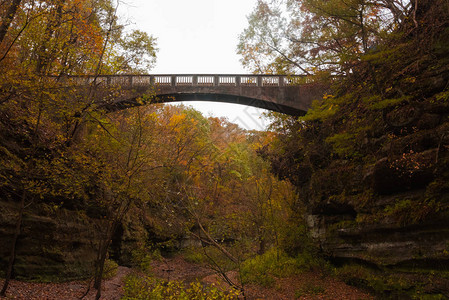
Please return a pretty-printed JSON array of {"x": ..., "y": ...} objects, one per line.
[{"x": 193, "y": 80}]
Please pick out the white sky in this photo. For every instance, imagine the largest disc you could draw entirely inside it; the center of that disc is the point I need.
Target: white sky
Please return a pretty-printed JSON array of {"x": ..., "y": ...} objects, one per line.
[{"x": 197, "y": 37}]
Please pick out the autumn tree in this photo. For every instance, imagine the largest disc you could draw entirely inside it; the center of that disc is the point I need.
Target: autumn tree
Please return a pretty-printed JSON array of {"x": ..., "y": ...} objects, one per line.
[
  {"x": 234, "y": 203},
  {"x": 41, "y": 115},
  {"x": 311, "y": 36}
]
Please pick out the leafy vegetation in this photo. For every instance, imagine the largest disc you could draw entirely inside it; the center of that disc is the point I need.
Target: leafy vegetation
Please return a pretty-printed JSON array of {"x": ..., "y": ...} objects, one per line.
[
  {"x": 388, "y": 284},
  {"x": 149, "y": 180},
  {"x": 275, "y": 263},
  {"x": 140, "y": 288},
  {"x": 367, "y": 159}
]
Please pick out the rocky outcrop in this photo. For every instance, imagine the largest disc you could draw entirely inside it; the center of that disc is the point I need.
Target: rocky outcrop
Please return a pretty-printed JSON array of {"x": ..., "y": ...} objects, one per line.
[
  {"x": 392, "y": 211},
  {"x": 54, "y": 244}
]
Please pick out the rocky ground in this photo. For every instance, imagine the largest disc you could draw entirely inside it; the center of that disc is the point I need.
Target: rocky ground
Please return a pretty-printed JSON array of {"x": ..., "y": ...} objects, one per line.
[{"x": 304, "y": 286}]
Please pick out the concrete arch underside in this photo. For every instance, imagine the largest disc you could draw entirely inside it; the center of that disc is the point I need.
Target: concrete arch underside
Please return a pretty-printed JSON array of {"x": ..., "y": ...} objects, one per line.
[{"x": 226, "y": 98}]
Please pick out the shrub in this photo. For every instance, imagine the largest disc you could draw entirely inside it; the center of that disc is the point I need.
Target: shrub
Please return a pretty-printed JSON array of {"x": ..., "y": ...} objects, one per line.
[
  {"x": 143, "y": 288},
  {"x": 143, "y": 256},
  {"x": 110, "y": 269},
  {"x": 294, "y": 238},
  {"x": 210, "y": 255},
  {"x": 391, "y": 285},
  {"x": 265, "y": 268}
]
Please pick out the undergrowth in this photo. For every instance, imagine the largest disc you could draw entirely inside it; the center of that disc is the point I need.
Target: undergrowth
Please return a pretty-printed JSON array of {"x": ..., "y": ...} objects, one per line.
[
  {"x": 110, "y": 269},
  {"x": 142, "y": 288},
  {"x": 264, "y": 269},
  {"x": 394, "y": 285}
]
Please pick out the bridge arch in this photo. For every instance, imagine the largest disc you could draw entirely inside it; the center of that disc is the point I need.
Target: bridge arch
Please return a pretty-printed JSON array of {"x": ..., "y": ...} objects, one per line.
[
  {"x": 291, "y": 95},
  {"x": 227, "y": 98}
]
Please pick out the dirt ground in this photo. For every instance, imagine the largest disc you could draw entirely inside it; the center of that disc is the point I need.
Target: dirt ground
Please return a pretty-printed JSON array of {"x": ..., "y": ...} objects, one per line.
[{"x": 304, "y": 286}]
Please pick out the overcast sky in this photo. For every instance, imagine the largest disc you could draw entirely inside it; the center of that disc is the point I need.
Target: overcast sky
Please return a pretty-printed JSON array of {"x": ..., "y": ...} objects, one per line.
[{"x": 197, "y": 37}]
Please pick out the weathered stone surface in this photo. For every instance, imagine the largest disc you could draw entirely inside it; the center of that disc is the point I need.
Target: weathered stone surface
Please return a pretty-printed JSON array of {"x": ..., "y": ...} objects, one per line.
[
  {"x": 58, "y": 244},
  {"x": 402, "y": 116},
  {"x": 398, "y": 200},
  {"x": 391, "y": 244},
  {"x": 428, "y": 121}
]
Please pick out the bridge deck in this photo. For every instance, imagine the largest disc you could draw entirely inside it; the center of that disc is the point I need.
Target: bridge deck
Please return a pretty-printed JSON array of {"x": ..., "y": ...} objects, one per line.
[{"x": 288, "y": 94}]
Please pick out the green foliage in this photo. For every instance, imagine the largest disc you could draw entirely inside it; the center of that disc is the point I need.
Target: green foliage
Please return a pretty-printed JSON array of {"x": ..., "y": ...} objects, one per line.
[
  {"x": 384, "y": 283},
  {"x": 211, "y": 256},
  {"x": 143, "y": 256},
  {"x": 407, "y": 211},
  {"x": 139, "y": 53},
  {"x": 139, "y": 288},
  {"x": 364, "y": 277},
  {"x": 442, "y": 97},
  {"x": 386, "y": 103},
  {"x": 194, "y": 255},
  {"x": 344, "y": 144},
  {"x": 294, "y": 238},
  {"x": 321, "y": 110},
  {"x": 265, "y": 268},
  {"x": 110, "y": 269}
]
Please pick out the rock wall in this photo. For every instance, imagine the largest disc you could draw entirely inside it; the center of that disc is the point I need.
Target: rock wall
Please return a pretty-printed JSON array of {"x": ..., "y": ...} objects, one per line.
[
  {"x": 59, "y": 244},
  {"x": 54, "y": 244},
  {"x": 392, "y": 211}
]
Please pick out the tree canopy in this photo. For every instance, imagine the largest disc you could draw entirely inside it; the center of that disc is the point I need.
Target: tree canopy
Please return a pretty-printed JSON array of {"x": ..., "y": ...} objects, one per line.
[{"x": 312, "y": 36}]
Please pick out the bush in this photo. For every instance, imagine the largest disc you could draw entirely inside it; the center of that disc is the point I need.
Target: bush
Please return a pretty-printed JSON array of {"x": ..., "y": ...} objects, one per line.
[
  {"x": 294, "y": 238},
  {"x": 194, "y": 255},
  {"x": 143, "y": 256},
  {"x": 143, "y": 288},
  {"x": 391, "y": 285},
  {"x": 110, "y": 269},
  {"x": 210, "y": 255},
  {"x": 265, "y": 268}
]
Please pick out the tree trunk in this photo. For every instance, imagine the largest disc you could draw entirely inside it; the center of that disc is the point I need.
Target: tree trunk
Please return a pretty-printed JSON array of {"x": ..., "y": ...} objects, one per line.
[
  {"x": 103, "y": 252},
  {"x": 13, "y": 245},
  {"x": 262, "y": 246},
  {"x": 99, "y": 273},
  {"x": 11, "y": 12}
]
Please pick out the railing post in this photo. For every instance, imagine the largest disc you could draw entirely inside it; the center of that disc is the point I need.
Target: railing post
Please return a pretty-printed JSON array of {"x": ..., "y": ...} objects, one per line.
[
  {"x": 173, "y": 80},
  {"x": 237, "y": 80},
  {"x": 130, "y": 80},
  {"x": 259, "y": 80},
  {"x": 195, "y": 80},
  {"x": 281, "y": 80},
  {"x": 216, "y": 80},
  {"x": 152, "y": 80}
]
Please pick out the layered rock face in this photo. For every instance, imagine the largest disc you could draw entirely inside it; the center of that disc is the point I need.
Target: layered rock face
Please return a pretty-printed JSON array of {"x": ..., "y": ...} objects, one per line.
[
  {"x": 393, "y": 211},
  {"x": 54, "y": 244},
  {"x": 59, "y": 244},
  {"x": 371, "y": 162}
]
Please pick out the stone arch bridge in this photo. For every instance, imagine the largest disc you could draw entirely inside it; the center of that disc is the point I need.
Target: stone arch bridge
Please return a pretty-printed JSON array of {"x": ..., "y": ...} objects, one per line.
[{"x": 291, "y": 95}]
